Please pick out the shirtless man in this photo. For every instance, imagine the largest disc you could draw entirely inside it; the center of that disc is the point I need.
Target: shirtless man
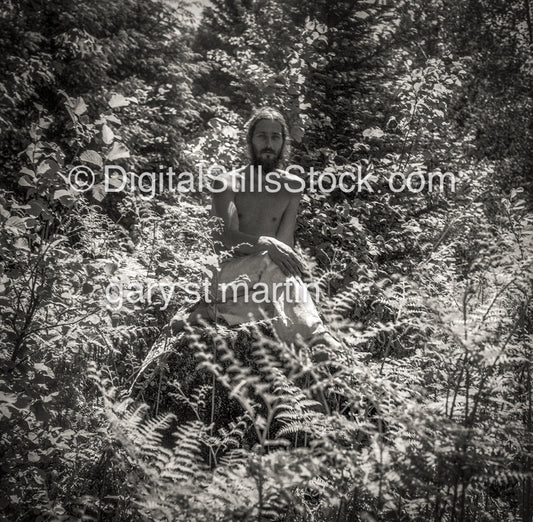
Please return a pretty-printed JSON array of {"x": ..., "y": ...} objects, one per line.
[{"x": 259, "y": 221}]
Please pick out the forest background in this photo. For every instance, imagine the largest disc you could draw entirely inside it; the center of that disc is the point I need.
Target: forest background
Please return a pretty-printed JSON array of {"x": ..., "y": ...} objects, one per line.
[{"x": 105, "y": 416}]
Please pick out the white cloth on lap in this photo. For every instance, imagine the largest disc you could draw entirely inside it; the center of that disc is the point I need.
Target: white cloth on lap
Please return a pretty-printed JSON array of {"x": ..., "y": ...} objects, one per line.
[{"x": 253, "y": 287}]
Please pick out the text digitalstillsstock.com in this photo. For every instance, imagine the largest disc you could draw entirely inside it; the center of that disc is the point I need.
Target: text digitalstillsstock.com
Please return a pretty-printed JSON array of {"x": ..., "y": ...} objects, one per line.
[{"x": 293, "y": 179}]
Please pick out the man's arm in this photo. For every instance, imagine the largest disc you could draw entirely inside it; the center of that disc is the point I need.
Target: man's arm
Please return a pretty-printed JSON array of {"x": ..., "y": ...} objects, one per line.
[
  {"x": 223, "y": 206},
  {"x": 287, "y": 224}
]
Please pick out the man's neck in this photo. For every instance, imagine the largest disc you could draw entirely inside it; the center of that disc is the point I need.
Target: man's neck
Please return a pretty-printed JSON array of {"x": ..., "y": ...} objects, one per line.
[{"x": 257, "y": 171}]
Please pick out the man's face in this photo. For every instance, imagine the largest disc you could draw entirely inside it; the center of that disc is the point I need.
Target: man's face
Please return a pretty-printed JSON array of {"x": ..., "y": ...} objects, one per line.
[{"x": 267, "y": 143}]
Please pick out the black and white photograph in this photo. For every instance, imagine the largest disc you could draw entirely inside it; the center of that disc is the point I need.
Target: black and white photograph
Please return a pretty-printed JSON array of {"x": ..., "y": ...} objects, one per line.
[{"x": 266, "y": 260}]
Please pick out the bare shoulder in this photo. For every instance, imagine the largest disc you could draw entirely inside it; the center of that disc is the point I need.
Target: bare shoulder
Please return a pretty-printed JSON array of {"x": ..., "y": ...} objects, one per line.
[{"x": 293, "y": 184}]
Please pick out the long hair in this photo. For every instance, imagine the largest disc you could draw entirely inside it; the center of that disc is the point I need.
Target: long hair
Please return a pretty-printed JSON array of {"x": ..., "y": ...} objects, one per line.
[{"x": 268, "y": 113}]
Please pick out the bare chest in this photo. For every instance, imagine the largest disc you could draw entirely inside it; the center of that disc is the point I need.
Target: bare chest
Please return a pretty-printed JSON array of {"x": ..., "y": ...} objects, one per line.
[{"x": 260, "y": 213}]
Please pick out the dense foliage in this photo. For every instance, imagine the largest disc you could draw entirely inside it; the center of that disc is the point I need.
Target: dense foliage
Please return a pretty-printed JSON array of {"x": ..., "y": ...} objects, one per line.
[{"x": 105, "y": 415}]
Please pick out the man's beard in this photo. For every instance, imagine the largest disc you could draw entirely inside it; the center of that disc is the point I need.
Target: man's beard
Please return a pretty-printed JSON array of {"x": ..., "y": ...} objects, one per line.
[{"x": 267, "y": 164}]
